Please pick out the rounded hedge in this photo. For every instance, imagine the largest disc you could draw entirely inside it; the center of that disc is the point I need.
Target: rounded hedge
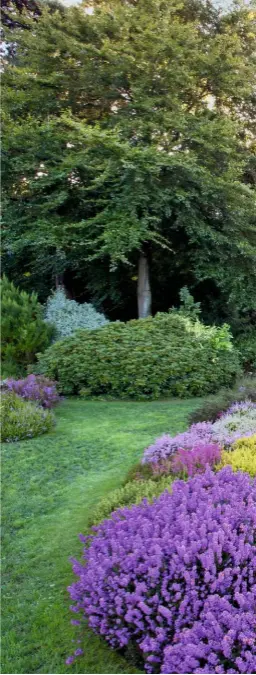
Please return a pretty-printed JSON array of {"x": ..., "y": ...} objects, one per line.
[
  {"x": 146, "y": 358},
  {"x": 22, "y": 419},
  {"x": 176, "y": 579}
]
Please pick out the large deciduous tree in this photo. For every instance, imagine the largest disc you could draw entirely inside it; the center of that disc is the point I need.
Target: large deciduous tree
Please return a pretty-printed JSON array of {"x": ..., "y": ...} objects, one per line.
[{"x": 129, "y": 139}]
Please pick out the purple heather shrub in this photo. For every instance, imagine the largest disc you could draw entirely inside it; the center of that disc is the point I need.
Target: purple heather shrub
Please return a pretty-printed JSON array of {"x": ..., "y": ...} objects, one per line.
[
  {"x": 222, "y": 628},
  {"x": 176, "y": 578},
  {"x": 188, "y": 462},
  {"x": 166, "y": 446},
  {"x": 163, "y": 448},
  {"x": 35, "y": 388}
]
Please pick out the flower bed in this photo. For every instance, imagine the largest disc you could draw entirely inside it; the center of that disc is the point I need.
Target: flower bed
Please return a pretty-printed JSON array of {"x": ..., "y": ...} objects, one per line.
[
  {"x": 176, "y": 578},
  {"x": 201, "y": 444}
]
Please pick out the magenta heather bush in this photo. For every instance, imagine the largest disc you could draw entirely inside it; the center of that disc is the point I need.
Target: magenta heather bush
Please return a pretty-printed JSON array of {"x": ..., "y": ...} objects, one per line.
[
  {"x": 35, "y": 388},
  {"x": 177, "y": 577},
  {"x": 189, "y": 462},
  {"x": 165, "y": 446}
]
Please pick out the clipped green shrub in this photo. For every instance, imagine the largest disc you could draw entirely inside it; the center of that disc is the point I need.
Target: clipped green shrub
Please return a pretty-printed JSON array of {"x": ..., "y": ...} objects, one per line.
[
  {"x": 68, "y": 315},
  {"x": 242, "y": 456},
  {"x": 131, "y": 493},
  {"x": 145, "y": 358},
  {"x": 24, "y": 332},
  {"x": 211, "y": 409},
  {"x": 22, "y": 419}
]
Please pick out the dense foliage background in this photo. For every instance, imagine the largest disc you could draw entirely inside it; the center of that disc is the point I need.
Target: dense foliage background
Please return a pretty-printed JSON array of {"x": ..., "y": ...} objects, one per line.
[{"x": 129, "y": 134}]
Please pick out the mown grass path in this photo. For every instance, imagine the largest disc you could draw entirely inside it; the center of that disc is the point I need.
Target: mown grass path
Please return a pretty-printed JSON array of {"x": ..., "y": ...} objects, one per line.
[{"x": 50, "y": 485}]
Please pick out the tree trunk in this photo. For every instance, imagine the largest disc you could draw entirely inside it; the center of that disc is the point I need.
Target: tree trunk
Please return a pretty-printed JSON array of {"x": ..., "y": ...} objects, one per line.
[
  {"x": 144, "y": 290},
  {"x": 59, "y": 281}
]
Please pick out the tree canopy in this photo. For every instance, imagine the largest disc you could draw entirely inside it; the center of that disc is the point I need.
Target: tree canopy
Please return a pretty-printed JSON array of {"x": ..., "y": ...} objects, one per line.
[{"x": 131, "y": 131}]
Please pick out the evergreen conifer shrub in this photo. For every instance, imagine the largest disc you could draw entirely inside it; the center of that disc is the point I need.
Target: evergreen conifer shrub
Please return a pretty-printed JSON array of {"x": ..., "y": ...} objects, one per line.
[
  {"x": 68, "y": 315},
  {"x": 24, "y": 331}
]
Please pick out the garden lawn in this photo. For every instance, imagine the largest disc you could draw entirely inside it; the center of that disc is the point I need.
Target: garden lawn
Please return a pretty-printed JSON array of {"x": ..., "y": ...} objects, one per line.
[{"x": 50, "y": 485}]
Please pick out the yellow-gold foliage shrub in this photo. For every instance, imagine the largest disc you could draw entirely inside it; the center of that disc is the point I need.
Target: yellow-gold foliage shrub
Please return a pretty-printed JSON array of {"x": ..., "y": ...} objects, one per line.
[{"x": 242, "y": 457}]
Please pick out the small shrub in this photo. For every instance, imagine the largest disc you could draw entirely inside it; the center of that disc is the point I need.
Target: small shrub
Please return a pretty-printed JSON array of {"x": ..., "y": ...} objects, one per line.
[
  {"x": 186, "y": 463},
  {"x": 176, "y": 578},
  {"x": 238, "y": 421},
  {"x": 246, "y": 344},
  {"x": 211, "y": 409},
  {"x": 247, "y": 388},
  {"x": 139, "y": 472},
  {"x": 131, "y": 493},
  {"x": 188, "y": 306},
  {"x": 145, "y": 358},
  {"x": 11, "y": 369},
  {"x": 68, "y": 315},
  {"x": 35, "y": 388},
  {"x": 24, "y": 332},
  {"x": 23, "y": 419},
  {"x": 165, "y": 446},
  {"x": 242, "y": 456}
]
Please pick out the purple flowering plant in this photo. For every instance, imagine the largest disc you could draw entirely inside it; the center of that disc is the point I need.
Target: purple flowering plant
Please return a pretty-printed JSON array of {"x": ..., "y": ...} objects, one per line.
[
  {"x": 165, "y": 446},
  {"x": 241, "y": 407},
  {"x": 237, "y": 422},
  {"x": 176, "y": 578},
  {"x": 35, "y": 388}
]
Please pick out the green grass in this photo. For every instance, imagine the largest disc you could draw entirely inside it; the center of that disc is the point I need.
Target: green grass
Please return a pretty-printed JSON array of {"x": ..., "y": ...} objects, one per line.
[{"x": 50, "y": 485}]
